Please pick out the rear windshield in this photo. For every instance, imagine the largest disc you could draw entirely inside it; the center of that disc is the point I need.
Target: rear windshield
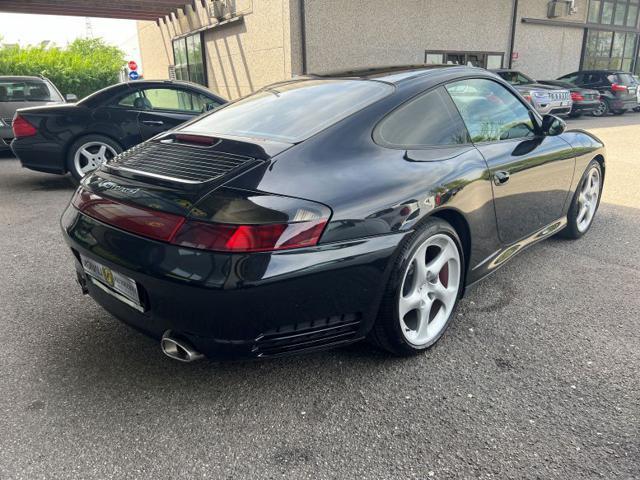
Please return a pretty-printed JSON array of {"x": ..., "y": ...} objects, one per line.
[
  {"x": 292, "y": 112},
  {"x": 622, "y": 79},
  {"x": 27, "y": 91}
]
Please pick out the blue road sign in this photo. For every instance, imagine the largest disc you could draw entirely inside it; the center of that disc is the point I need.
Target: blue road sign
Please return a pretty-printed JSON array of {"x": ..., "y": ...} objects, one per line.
[{"x": 133, "y": 75}]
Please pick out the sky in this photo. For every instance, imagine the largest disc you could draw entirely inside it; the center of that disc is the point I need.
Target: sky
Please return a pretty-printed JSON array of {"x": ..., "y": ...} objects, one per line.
[{"x": 27, "y": 29}]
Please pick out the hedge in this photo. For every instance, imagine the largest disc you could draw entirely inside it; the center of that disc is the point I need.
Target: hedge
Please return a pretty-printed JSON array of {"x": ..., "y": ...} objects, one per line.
[{"x": 84, "y": 66}]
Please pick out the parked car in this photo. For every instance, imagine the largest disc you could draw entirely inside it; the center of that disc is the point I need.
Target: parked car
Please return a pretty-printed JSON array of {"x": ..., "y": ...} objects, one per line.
[
  {"x": 618, "y": 90},
  {"x": 23, "y": 91},
  {"x": 637, "y": 79},
  {"x": 323, "y": 210},
  {"x": 584, "y": 100},
  {"x": 546, "y": 99},
  {"x": 80, "y": 137}
]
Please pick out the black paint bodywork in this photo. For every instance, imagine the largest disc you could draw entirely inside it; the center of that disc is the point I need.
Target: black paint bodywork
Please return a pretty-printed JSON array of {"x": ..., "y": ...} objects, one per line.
[
  {"x": 60, "y": 126},
  {"x": 226, "y": 304}
]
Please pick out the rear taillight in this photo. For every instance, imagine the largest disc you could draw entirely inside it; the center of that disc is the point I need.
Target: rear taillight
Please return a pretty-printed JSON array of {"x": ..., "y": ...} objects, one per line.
[
  {"x": 249, "y": 238},
  {"x": 527, "y": 97},
  {"x": 231, "y": 220},
  {"x": 228, "y": 221},
  {"x": 576, "y": 97},
  {"x": 142, "y": 221},
  {"x": 22, "y": 128},
  {"x": 615, "y": 87}
]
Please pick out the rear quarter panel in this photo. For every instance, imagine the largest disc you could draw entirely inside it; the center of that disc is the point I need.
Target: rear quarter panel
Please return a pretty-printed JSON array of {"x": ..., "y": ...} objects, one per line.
[{"x": 374, "y": 190}]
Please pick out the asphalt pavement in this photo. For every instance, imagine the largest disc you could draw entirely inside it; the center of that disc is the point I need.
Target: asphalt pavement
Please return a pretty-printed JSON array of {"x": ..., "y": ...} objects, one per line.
[{"x": 538, "y": 377}]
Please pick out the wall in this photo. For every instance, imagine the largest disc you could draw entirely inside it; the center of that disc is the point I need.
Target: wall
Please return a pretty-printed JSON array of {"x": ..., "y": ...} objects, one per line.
[
  {"x": 360, "y": 33},
  {"x": 155, "y": 50},
  {"x": 245, "y": 57},
  {"x": 546, "y": 52},
  {"x": 240, "y": 57}
]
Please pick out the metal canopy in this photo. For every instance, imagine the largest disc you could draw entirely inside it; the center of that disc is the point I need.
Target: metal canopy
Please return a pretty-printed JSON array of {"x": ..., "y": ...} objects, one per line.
[{"x": 130, "y": 9}]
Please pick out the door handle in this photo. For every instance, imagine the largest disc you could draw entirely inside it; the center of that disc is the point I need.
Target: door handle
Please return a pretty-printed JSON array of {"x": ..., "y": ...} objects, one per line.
[
  {"x": 500, "y": 178},
  {"x": 155, "y": 123}
]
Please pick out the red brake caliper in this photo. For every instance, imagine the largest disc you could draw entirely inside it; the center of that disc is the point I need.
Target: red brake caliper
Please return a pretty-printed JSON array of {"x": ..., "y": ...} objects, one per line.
[{"x": 444, "y": 275}]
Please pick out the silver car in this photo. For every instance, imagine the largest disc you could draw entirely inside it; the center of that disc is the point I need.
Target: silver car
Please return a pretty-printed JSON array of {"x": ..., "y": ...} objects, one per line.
[
  {"x": 20, "y": 92},
  {"x": 544, "y": 98}
]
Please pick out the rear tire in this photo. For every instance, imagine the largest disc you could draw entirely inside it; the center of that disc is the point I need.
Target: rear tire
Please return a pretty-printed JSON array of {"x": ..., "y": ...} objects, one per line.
[
  {"x": 601, "y": 110},
  {"x": 88, "y": 153},
  {"x": 585, "y": 202},
  {"x": 422, "y": 294}
]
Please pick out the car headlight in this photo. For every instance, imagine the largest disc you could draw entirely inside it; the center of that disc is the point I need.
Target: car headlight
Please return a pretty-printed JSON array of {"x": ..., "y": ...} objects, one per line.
[{"x": 538, "y": 94}]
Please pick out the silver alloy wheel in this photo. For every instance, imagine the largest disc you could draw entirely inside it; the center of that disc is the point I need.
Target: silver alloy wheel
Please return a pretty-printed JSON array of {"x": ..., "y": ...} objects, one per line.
[
  {"x": 429, "y": 290},
  {"x": 588, "y": 199},
  {"x": 601, "y": 110},
  {"x": 91, "y": 155}
]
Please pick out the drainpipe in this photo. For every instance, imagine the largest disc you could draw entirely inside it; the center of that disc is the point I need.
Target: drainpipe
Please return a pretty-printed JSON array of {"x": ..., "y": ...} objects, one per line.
[
  {"x": 303, "y": 38},
  {"x": 512, "y": 40}
]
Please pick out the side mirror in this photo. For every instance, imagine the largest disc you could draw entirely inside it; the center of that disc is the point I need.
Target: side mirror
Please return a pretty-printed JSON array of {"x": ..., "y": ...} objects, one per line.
[
  {"x": 552, "y": 125},
  {"x": 71, "y": 97}
]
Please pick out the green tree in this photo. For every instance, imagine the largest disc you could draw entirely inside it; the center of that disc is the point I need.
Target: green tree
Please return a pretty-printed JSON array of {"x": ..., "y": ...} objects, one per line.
[{"x": 84, "y": 66}]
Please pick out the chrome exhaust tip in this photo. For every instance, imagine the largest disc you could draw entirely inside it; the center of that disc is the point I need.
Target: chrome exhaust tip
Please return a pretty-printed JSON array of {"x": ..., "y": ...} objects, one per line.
[{"x": 178, "y": 349}]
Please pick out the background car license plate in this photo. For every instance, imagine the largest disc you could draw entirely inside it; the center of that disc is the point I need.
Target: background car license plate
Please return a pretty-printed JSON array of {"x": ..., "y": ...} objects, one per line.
[{"x": 122, "y": 284}]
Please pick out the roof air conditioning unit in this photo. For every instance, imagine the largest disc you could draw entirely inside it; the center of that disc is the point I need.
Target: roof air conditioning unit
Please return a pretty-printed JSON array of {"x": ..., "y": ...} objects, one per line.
[
  {"x": 561, "y": 8},
  {"x": 220, "y": 10}
]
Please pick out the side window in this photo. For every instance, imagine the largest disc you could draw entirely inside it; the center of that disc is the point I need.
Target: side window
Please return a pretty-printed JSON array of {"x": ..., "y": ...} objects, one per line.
[
  {"x": 592, "y": 78},
  {"x": 490, "y": 111},
  {"x": 429, "y": 120},
  {"x": 204, "y": 104},
  {"x": 573, "y": 78},
  {"x": 174, "y": 99},
  {"x": 129, "y": 100}
]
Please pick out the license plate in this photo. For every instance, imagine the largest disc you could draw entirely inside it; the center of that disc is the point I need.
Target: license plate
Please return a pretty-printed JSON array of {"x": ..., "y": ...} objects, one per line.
[{"x": 119, "y": 285}]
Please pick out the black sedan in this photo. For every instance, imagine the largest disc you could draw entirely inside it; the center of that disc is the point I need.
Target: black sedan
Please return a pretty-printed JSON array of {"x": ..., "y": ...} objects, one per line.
[
  {"x": 325, "y": 210},
  {"x": 77, "y": 138},
  {"x": 585, "y": 100}
]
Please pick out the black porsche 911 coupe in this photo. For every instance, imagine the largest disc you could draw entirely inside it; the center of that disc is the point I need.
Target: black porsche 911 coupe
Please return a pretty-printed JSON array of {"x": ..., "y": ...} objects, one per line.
[
  {"x": 79, "y": 137},
  {"x": 324, "y": 210}
]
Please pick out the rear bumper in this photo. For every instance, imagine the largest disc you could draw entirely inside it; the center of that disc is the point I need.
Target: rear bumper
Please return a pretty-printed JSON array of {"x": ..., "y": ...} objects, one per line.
[
  {"x": 37, "y": 154},
  {"x": 585, "y": 107},
  {"x": 617, "y": 104},
  {"x": 230, "y": 306}
]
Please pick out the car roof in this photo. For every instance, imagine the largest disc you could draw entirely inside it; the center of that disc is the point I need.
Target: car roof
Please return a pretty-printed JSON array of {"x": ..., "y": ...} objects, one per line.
[
  {"x": 395, "y": 74},
  {"x": 599, "y": 71},
  {"x": 13, "y": 78}
]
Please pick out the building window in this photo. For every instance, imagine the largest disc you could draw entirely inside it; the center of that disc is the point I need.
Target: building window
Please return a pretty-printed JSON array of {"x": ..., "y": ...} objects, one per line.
[
  {"x": 620, "y": 13},
  {"x": 189, "y": 59},
  {"x": 475, "y": 59},
  {"x": 609, "y": 50}
]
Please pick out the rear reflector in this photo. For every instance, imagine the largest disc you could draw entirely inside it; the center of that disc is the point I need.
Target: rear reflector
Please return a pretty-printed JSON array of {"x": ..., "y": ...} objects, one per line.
[
  {"x": 22, "y": 128},
  {"x": 141, "y": 221}
]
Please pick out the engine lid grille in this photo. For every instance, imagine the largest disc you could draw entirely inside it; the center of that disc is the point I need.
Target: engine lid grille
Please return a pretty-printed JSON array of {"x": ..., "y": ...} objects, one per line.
[{"x": 178, "y": 162}]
